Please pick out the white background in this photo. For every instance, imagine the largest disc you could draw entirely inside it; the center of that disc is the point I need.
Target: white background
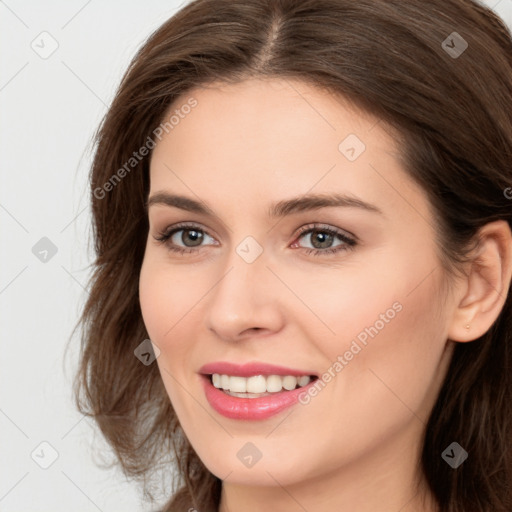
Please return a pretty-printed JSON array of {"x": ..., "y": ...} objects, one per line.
[{"x": 49, "y": 111}]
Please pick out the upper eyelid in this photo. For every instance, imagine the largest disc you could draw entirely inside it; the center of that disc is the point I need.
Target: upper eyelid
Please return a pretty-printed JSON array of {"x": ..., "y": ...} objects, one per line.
[
  {"x": 319, "y": 226},
  {"x": 180, "y": 226}
]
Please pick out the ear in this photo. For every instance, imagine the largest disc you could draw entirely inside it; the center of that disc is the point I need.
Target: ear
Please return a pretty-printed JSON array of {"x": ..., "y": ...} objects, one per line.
[{"x": 484, "y": 290}]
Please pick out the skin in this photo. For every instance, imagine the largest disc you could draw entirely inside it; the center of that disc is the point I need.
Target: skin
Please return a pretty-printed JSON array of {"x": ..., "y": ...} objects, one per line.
[{"x": 356, "y": 445}]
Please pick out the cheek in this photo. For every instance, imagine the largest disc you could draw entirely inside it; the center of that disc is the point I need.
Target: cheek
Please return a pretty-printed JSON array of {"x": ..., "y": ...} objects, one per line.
[
  {"x": 391, "y": 344},
  {"x": 170, "y": 300},
  {"x": 167, "y": 293},
  {"x": 165, "y": 300},
  {"x": 334, "y": 305},
  {"x": 386, "y": 293},
  {"x": 383, "y": 320}
]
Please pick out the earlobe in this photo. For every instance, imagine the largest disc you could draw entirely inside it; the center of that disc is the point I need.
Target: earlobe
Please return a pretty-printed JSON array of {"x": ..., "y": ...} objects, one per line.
[{"x": 487, "y": 284}]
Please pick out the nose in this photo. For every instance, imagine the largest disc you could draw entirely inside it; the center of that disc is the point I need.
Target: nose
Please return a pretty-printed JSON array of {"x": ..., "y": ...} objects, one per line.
[{"x": 245, "y": 302}]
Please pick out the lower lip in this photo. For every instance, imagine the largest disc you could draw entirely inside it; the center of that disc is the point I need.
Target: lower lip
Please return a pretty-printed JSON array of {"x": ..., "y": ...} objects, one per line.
[{"x": 250, "y": 408}]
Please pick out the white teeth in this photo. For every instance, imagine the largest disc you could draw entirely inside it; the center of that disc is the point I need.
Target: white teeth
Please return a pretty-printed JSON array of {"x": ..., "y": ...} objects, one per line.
[
  {"x": 238, "y": 384},
  {"x": 290, "y": 382},
  {"x": 224, "y": 381},
  {"x": 303, "y": 381},
  {"x": 274, "y": 383},
  {"x": 258, "y": 384}
]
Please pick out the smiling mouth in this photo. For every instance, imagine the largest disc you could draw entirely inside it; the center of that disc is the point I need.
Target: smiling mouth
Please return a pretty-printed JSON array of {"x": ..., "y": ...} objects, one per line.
[{"x": 258, "y": 386}]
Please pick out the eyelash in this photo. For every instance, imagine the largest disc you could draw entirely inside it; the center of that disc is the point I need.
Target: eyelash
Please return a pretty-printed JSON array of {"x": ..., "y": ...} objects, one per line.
[{"x": 348, "y": 243}]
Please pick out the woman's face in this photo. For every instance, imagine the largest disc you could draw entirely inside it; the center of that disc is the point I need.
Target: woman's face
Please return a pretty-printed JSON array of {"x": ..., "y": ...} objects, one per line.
[{"x": 263, "y": 282}]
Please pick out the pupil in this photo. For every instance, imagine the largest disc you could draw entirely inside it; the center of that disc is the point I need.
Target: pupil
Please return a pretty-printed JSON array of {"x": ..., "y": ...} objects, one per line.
[{"x": 195, "y": 236}]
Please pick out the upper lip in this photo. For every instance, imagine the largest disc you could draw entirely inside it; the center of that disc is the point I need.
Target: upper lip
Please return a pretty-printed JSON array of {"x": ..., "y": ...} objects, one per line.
[{"x": 250, "y": 369}]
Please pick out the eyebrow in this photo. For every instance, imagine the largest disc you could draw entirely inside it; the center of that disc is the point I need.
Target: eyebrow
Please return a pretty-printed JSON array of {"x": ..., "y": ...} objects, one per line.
[{"x": 278, "y": 209}]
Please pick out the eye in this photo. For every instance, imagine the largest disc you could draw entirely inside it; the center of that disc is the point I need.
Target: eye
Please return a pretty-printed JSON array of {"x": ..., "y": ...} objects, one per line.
[
  {"x": 190, "y": 234},
  {"x": 322, "y": 238}
]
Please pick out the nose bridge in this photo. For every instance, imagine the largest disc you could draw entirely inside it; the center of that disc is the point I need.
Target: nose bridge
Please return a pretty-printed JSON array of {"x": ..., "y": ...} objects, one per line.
[
  {"x": 245, "y": 265},
  {"x": 244, "y": 297},
  {"x": 244, "y": 275}
]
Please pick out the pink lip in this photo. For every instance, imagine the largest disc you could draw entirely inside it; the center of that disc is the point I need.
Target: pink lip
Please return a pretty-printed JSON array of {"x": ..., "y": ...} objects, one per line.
[
  {"x": 250, "y": 369},
  {"x": 250, "y": 408}
]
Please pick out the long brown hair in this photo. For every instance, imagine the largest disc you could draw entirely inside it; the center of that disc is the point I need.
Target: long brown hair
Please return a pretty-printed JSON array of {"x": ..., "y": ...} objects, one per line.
[{"x": 452, "y": 114}]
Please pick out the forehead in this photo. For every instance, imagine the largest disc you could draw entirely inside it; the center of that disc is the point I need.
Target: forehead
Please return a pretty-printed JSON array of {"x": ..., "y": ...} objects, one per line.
[
  {"x": 275, "y": 112},
  {"x": 276, "y": 138}
]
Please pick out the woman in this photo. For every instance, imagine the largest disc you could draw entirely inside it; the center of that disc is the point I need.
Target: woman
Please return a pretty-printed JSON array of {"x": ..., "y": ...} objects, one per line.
[{"x": 302, "y": 217}]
